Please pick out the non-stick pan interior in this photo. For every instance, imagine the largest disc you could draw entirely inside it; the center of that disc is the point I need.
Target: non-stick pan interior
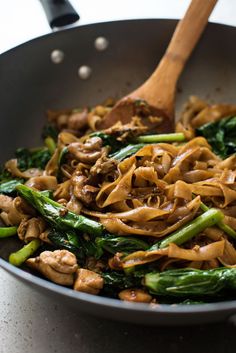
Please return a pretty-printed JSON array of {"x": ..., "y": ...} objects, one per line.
[{"x": 31, "y": 83}]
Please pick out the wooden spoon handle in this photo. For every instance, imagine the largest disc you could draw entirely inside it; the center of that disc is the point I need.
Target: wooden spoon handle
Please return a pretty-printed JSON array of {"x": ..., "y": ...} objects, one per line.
[
  {"x": 159, "y": 89},
  {"x": 189, "y": 30}
]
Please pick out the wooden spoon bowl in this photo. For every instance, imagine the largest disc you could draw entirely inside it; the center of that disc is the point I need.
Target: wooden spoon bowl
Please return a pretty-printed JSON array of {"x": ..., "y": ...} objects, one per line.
[{"x": 156, "y": 96}]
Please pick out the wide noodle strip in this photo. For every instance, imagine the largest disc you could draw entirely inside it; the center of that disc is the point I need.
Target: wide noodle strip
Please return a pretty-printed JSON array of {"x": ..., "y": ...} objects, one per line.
[{"x": 197, "y": 253}]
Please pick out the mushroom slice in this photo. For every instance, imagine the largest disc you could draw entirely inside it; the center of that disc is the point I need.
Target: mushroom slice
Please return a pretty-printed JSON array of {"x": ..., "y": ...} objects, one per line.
[
  {"x": 44, "y": 182},
  {"x": 88, "y": 281},
  {"x": 135, "y": 295},
  {"x": 58, "y": 266}
]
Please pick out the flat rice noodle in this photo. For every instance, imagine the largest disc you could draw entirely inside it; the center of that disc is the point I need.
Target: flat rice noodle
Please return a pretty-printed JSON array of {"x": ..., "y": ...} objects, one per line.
[
  {"x": 194, "y": 176},
  {"x": 182, "y": 190},
  {"x": 140, "y": 214},
  {"x": 205, "y": 190},
  {"x": 229, "y": 195},
  {"x": 43, "y": 182},
  {"x": 228, "y": 177},
  {"x": 117, "y": 226},
  {"x": 65, "y": 138},
  {"x": 147, "y": 175},
  {"x": 229, "y": 211},
  {"x": 204, "y": 253},
  {"x": 63, "y": 191},
  {"x": 213, "y": 113},
  {"x": 228, "y": 163},
  {"x": 200, "y": 165},
  {"x": 193, "y": 153},
  {"x": 213, "y": 233},
  {"x": 228, "y": 258},
  {"x": 52, "y": 165},
  {"x": 207, "y": 154},
  {"x": 230, "y": 221},
  {"x": 12, "y": 167},
  {"x": 173, "y": 175},
  {"x": 119, "y": 190}
]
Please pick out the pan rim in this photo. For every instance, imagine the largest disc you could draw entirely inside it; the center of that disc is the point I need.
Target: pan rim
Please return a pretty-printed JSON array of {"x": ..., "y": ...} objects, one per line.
[
  {"x": 116, "y": 303},
  {"x": 76, "y": 28}
]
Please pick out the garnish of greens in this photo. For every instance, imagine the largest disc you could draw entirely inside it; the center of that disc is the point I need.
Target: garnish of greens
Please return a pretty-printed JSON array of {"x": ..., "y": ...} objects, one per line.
[
  {"x": 221, "y": 135},
  {"x": 191, "y": 283}
]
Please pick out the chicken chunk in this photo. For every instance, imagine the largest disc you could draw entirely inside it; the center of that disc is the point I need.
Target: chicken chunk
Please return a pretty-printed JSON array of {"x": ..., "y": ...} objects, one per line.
[
  {"x": 59, "y": 266},
  {"x": 30, "y": 229},
  {"x": 88, "y": 281}
]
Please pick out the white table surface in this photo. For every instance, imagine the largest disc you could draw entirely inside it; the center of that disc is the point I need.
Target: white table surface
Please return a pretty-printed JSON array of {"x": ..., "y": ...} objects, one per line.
[{"x": 29, "y": 322}]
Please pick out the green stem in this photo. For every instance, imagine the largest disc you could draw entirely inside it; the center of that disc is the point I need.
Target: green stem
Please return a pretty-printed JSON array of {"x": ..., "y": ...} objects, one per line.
[
  {"x": 19, "y": 257},
  {"x": 7, "y": 231},
  {"x": 175, "y": 137},
  {"x": 227, "y": 229},
  {"x": 187, "y": 232},
  {"x": 126, "y": 151},
  {"x": 50, "y": 143}
]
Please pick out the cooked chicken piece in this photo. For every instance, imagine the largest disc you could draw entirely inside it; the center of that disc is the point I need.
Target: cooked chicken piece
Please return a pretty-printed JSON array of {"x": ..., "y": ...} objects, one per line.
[
  {"x": 135, "y": 295},
  {"x": 44, "y": 182},
  {"x": 30, "y": 229},
  {"x": 104, "y": 166},
  {"x": 127, "y": 131},
  {"x": 88, "y": 281},
  {"x": 84, "y": 192},
  {"x": 59, "y": 266},
  {"x": 14, "y": 210},
  {"x": 78, "y": 120},
  {"x": 87, "y": 152}
]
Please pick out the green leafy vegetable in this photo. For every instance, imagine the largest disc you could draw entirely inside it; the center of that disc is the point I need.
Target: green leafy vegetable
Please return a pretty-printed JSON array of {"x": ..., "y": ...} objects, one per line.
[
  {"x": 50, "y": 144},
  {"x": 35, "y": 158},
  {"x": 58, "y": 215},
  {"x": 190, "y": 282},
  {"x": 75, "y": 243},
  {"x": 114, "y": 244},
  {"x": 19, "y": 257},
  {"x": 221, "y": 135},
  {"x": 8, "y": 187},
  {"x": 120, "y": 281},
  {"x": 126, "y": 151},
  {"x": 50, "y": 131}
]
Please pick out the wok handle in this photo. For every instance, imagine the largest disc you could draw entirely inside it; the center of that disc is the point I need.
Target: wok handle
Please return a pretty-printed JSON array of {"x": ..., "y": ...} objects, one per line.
[{"x": 59, "y": 12}]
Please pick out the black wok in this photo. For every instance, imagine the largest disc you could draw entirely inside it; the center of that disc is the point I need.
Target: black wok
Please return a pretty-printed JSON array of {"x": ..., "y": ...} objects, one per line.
[{"x": 30, "y": 83}]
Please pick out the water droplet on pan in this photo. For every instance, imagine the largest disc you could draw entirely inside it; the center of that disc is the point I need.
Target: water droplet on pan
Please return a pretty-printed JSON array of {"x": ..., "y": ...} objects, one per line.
[
  {"x": 84, "y": 72},
  {"x": 101, "y": 43},
  {"x": 57, "y": 56}
]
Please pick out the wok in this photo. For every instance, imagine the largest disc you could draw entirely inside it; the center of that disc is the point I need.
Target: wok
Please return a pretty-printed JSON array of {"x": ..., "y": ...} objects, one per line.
[{"x": 31, "y": 83}]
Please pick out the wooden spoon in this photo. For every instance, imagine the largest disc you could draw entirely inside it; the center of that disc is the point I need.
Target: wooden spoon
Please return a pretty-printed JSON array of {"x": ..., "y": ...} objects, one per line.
[{"x": 159, "y": 90}]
